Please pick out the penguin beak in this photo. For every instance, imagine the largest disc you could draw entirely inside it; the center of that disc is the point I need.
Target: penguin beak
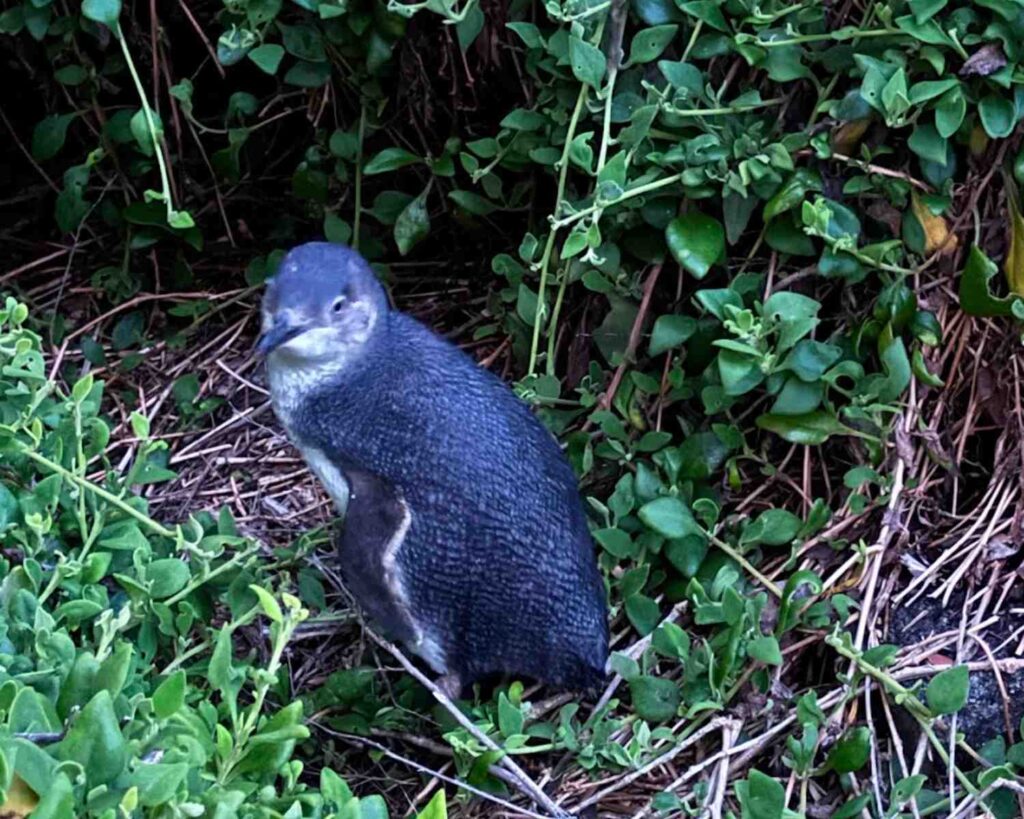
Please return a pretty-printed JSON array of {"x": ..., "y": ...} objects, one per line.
[{"x": 280, "y": 333}]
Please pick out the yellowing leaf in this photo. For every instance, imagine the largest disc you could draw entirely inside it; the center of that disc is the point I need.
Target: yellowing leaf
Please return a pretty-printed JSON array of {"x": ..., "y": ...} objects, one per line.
[
  {"x": 937, "y": 236},
  {"x": 1015, "y": 257},
  {"x": 978, "y": 141},
  {"x": 21, "y": 800},
  {"x": 847, "y": 136}
]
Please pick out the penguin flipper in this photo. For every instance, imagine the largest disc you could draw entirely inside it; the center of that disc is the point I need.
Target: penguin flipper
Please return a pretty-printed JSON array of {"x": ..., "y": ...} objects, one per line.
[{"x": 376, "y": 522}]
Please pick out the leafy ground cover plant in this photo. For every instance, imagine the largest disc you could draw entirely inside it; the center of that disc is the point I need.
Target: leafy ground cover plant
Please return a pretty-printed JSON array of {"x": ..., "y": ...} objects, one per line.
[
  {"x": 121, "y": 693},
  {"x": 757, "y": 264}
]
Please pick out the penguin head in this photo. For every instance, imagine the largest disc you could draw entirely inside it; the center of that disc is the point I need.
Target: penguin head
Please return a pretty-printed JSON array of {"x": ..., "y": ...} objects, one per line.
[{"x": 323, "y": 302}]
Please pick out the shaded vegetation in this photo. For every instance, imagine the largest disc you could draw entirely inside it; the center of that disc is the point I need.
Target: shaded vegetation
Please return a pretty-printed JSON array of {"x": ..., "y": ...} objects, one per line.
[{"x": 759, "y": 265}]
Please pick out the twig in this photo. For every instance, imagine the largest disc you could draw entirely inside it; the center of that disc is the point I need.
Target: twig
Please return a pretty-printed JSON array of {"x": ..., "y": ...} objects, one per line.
[
  {"x": 657, "y": 762},
  {"x": 202, "y": 36},
  {"x": 526, "y": 785},
  {"x": 490, "y": 797}
]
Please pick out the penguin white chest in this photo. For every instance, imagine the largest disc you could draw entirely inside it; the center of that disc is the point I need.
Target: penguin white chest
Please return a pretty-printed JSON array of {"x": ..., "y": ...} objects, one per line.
[{"x": 329, "y": 475}]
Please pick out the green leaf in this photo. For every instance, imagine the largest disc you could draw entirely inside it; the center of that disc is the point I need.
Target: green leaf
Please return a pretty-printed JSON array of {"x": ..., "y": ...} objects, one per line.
[
  {"x": 158, "y": 782},
  {"x": 761, "y": 797},
  {"x": 976, "y": 298},
  {"x": 949, "y": 114},
  {"x": 234, "y": 44},
  {"x": 588, "y": 62},
  {"x": 390, "y": 159},
  {"x": 220, "y": 673},
  {"x": 924, "y": 91},
  {"x": 102, "y": 11},
  {"x": 927, "y": 143},
  {"x": 268, "y": 57},
  {"x": 765, "y": 650},
  {"x": 113, "y": 671},
  {"x": 795, "y": 316},
  {"x": 304, "y": 42},
  {"x": 773, "y": 527},
  {"x": 308, "y": 75},
  {"x": 437, "y": 808},
  {"x": 810, "y": 429},
  {"x": 948, "y": 691},
  {"x": 670, "y": 331},
  {"x": 894, "y": 97},
  {"x": 851, "y": 752},
  {"x": 472, "y": 202},
  {"x": 654, "y": 699},
  {"x": 810, "y": 359},
  {"x": 907, "y": 788},
  {"x": 167, "y": 576},
  {"x": 528, "y": 33},
  {"x": 144, "y": 138},
  {"x": 643, "y": 613},
  {"x": 267, "y": 603},
  {"x": 169, "y": 696},
  {"x": 95, "y": 742},
  {"x": 57, "y": 799},
  {"x": 696, "y": 241},
  {"x": 998, "y": 115},
  {"x": 510, "y": 717},
  {"x": 881, "y": 656},
  {"x": 669, "y": 517},
  {"x": 686, "y": 78},
  {"x": 470, "y": 27},
  {"x": 49, "y": 135},
  {"x": 648, "y": 43},
  {"x": 8, "y": 507},
  {"x": 413, "y": 223},
  {"x": 656, "y": 12},
  {"x": 707, "y": 11},
  {"x": 336, "y": 229},
  {"x": 798, "y": 397}
]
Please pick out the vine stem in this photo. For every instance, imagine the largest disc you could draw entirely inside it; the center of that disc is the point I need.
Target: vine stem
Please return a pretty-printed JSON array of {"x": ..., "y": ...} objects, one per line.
[
  {"x": 617, "y": 15},
  {"x": 830, "y": 35},
  {"x": 746, "y": 564},
  {"x": 99, "y": 491},
  {"x": 165, "y": 180},
  {"x": 639, "y": 190},
  {"x": 549, "y": 245},
  {"x": 907, "y": 699}
]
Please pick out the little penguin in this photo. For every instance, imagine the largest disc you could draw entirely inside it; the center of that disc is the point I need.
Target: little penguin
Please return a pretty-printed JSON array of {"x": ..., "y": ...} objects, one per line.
[{"x": 464, "y": 535}]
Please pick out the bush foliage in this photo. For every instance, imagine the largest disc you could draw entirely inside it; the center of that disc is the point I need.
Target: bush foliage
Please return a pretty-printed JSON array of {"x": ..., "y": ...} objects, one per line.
[{"x": 711, "y": 229}]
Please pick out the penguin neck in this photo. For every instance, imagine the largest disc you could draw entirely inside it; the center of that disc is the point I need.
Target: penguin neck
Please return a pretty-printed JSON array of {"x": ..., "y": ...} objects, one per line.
[{"x": 293, "y": 382}]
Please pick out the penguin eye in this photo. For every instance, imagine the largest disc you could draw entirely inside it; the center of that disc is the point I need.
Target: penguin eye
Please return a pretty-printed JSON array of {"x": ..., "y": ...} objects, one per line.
[{"x": 338, "y": 304}]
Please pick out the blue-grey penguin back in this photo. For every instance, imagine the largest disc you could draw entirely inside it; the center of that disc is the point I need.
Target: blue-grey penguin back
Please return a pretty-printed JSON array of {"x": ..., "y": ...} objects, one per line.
[{"x": 496, "y": 564}]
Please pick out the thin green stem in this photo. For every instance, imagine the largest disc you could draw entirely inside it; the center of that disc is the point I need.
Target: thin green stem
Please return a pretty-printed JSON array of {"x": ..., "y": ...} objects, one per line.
[
  {"x": 549, "y": 245},
  {"x": 198, "y": 648},
  {"x": 747, "y": 565},
  {"x": 907, "y": 699},
  {"x": 240, "y": 747},
  {"x": 722, "y": 111},
  {"x": 99, "y": 491},
  {"x": 838, "y": 36},
  {"x": 639, "y": 190},
  {"x": 224, "y": 567},
  {"x": 480, "y": 173},
  {"x": 556, "y": 311},
  {"x": 865, "y": 258},
  {"x": 693, "y": 39},
  {"x": 165, "y": 179}
]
